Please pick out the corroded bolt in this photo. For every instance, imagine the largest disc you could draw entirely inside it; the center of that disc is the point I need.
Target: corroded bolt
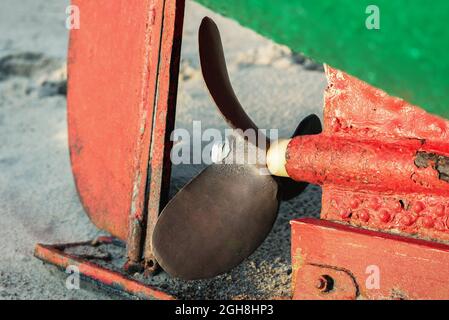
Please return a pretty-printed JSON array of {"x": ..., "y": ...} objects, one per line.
[
  {"x": 320, "y": 283},
  {"x": 397, "y": 207}
]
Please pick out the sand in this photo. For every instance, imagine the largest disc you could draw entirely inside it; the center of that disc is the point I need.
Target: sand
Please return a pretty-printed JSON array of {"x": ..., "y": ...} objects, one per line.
[{"x": 38, "y": 200}]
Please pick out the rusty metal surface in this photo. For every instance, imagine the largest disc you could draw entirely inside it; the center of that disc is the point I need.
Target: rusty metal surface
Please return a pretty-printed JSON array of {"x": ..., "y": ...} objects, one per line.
[
  {"x": 382, "y": 162},
  {"x": 407, "y": 268},
  {"x": 164, "y": 120},
  {"x": 138, "y": 207},
  {"x": 56, "y": 255}
]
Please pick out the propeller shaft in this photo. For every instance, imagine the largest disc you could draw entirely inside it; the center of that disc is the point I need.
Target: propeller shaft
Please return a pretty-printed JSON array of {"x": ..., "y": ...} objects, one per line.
[{"x": 366, "y": 165}]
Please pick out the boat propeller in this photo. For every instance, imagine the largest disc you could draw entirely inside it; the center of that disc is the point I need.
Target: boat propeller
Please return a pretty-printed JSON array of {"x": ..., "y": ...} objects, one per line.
[{"x": 224, "y": 213}]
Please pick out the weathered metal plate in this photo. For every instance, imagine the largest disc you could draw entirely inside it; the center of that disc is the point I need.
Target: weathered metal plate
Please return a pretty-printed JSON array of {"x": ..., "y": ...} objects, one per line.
[
  {"x": 365, "y": 264},
  {"x": 112, "y": 65},
  {"x": 164, "y": 119}
]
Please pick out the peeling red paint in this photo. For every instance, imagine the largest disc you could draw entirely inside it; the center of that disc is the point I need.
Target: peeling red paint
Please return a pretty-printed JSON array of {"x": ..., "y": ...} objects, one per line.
[
  {"x": 121, "y": 103},
  {"x": 164, "y": 120},
  {"x": 381, "y": 161},
  {"x": 112, "y": 73}
]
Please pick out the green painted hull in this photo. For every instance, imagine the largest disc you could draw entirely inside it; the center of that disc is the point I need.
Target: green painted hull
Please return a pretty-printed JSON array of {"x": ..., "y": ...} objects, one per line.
[{"x": 407, "y": 57}]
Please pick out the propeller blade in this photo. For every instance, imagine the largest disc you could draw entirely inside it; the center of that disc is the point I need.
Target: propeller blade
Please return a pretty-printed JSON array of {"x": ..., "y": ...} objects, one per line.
[
  {"x": 216, "y": 221},
  {"x": 310, "y": 125},
  {"x": 215, "y": 74},
  {"x": 223, "y": 214}
]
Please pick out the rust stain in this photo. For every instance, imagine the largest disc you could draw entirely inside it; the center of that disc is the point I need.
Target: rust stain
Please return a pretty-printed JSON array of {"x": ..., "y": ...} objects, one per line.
[
  {"x": 298, "y": 260},
  {"x": 398, "y": 294},
  {"x": 437, "y": 162}
]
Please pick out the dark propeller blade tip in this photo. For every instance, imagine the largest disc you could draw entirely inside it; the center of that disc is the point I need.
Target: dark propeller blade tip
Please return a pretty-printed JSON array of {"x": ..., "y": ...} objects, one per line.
[
  {"x": 215, "y": 74},
  {"x": 308, "y": 126}
]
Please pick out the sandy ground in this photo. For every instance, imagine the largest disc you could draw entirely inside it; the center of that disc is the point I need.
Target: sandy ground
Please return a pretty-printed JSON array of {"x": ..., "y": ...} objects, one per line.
[{"x": 38, "y": 201}]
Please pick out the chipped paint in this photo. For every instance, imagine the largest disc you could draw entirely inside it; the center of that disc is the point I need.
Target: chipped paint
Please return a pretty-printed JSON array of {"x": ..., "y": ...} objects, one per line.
[{"x": 410, "y": 268}]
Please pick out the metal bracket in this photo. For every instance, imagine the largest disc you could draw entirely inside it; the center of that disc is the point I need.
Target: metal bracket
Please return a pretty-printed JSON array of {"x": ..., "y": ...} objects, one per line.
[{"x": 74, "y": 254}]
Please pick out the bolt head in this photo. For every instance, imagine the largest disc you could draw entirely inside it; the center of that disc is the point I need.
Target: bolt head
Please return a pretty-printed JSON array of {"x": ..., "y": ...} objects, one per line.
[{"x": 324, "y": 283}]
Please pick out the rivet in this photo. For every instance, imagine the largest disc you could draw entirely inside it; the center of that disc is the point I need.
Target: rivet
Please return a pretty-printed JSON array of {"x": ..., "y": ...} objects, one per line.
[
  {"x": 440, "y": 210},
  {"x": 428, "y": 222},
  {"x": 407, "y": 220},
  {"x": 397, "y": 206},
  {"x": 418, "y": 207},
  {"x": 385, "y": 216},
  {"x": 355, "y": 203},
  {"x": 346, "y": 214},
  {"x": 375, "y": 204},
  {"x": 364, "y": 215}
]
